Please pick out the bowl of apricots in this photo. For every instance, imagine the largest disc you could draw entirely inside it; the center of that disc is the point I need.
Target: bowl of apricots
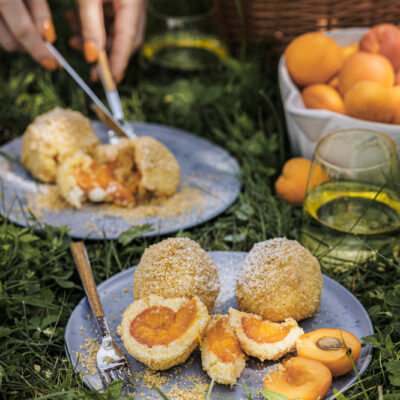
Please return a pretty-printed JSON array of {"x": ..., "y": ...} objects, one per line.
[{"x": 342, "y": 79}]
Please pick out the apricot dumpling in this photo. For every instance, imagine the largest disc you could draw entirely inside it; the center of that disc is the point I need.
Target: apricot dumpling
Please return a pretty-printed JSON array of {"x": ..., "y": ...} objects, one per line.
[
  {"x": 177, "y": 267},
  {"x": 162, "y": 333},
  {"x": 51, "y": 138},
  {"x": 221, "y": 355},
  {"x": 279, "y": 279},
  {"x": 263, "y": 339}
]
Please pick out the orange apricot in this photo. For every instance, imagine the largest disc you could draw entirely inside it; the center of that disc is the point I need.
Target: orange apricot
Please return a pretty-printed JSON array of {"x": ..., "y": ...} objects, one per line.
[
  {"x": 328, "y": 346},
  {"x": 383, "y": 39},
  {"x": 322, "y": 96},
  {"x": 350, "y": 49},
  {"x": 223, "y": 341},
  {"x": 363, "y": 66},
  {"x": 159, "y": 325},
  {"x": 300, "y": 377},
  {"x": 101, "y": 176},
  {"x": 264, "y": 331},
  {"x": 370, "y": 101},
  {"x": 291, "y": 185},
  {"x": 313, "y": 58}
]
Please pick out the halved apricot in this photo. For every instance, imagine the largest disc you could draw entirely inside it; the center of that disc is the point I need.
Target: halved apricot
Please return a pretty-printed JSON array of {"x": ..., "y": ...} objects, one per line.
[
  {"x": 101, "y": 176},
  {"x": 264, "y": 331},
  {"x": 160, "y": 325},
  {"x": 300, "y": 378},
  {"x": 329, "y": 347},
  {"x": 222, "y": 341}
]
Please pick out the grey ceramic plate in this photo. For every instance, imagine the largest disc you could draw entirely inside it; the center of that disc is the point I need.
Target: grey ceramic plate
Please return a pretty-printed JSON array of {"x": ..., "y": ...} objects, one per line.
[
  {"x": 204, "y": 165},
  {"x": 339, "y": 309}
]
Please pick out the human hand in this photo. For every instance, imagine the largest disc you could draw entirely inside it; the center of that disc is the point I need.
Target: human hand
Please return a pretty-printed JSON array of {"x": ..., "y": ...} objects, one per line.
[
  {"x": 124, "y": 37},
  {"x": 23, "y": 25}
]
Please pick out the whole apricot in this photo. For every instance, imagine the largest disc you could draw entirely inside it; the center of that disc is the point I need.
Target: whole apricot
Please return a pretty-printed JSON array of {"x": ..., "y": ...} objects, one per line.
[
  {"x": 383, "y": 39},
  {"x": 328, "y": 346},
  {"x": 300, "y": 377},
  {"x": 363, "y": 66},
  {"x": 291, "y": 185},
  {"x": 322, "y": 96},
  {"x": 370, "y": 101},
  {"x": 350, "y": 49},
  {"x": 313, "y": 58},
  {"x": 394, "y": 93}
]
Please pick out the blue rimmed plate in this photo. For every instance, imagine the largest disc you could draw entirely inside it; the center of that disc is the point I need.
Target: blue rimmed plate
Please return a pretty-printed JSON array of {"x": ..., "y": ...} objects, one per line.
[{"x": 339, "y": 309}]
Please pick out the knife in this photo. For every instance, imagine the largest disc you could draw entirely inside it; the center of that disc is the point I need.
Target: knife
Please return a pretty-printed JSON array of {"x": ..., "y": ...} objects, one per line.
[{"x": 97, "y": 106}]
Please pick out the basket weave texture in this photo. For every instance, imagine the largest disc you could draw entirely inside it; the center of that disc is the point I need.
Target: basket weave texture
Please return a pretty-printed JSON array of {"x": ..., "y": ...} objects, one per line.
[{"x": 279, "y": 21}]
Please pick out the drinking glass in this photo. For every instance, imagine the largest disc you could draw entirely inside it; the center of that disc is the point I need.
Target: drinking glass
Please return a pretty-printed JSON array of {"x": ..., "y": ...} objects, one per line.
[
  {"x": 352, "y": 205},
  {"x": 181, "y": 38}
]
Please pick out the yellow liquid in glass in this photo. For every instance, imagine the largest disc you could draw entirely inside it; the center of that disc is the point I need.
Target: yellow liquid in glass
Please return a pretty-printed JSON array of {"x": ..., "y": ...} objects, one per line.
[
  {"x": 183, "y": 51},
  {"x": 349, "y": 221}
]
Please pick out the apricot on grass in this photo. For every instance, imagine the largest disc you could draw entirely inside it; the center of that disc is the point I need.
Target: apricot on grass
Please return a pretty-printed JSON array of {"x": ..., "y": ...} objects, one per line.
[
  {"x": 370, "y": 101},
  {"x": 291, "y": 185},
  {"x": 363, "y": 66},
  {"x": 322, "y": 96},
  {"x": 383, "y": 39},
  {"x": 313, "y": 58},
  {"x": 300, "y": 377},
  {"x": 328, "y": 346}
]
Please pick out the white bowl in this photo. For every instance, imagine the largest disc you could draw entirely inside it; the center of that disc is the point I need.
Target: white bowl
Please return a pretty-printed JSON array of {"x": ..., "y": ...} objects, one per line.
[{"x": 307, "y": 126}]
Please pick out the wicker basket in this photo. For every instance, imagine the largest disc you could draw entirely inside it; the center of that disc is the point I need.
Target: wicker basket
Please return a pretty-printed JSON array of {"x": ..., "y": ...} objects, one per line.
[{"x": 278, "y": 21}]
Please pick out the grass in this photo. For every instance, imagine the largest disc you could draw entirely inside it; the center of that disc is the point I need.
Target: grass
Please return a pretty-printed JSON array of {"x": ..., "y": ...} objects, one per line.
[{"x": 237, "y": 107}]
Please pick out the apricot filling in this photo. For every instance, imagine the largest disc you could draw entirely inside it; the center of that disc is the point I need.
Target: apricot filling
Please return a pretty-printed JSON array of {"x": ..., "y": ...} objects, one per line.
[
  {"x": 159, "y": 325},
  {"x": 222, "y": 342},
  {"x": 329, "y": 347},
  {"x": 264, "y": 331},
  {"x": 101, "y": 177},
  {"x": 300, "y": 378}
]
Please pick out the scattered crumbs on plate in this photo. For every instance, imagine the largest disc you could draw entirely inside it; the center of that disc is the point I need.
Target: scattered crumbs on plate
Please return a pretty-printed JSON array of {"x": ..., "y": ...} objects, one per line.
[
  {"x": 87, "y": 358},
  {"x": 182, "y": 203}
]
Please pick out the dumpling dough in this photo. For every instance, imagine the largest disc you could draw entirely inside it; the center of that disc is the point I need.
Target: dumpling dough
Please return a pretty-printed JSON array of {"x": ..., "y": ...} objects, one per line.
[
  {"x": 51, "y": 138},
  {"x": 279, "y": 279},
  {"x": 162, "y": 332},
  {"x": 177, "y": 267}
]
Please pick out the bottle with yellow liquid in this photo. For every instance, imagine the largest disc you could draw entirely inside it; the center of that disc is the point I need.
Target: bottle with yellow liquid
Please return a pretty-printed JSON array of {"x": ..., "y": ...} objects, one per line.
[
  {"x": 180, "y": 40},
  {"x": 355, "y": 213}
]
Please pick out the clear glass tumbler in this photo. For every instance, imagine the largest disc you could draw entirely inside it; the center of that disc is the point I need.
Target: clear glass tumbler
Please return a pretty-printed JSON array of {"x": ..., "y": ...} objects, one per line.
[
  {"x": 352, "y": 206},
  {"x": 181, "y": 38}
]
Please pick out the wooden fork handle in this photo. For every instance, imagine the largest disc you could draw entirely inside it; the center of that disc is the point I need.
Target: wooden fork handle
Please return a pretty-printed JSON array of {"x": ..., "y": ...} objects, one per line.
[{"x": 85, "y": 271}]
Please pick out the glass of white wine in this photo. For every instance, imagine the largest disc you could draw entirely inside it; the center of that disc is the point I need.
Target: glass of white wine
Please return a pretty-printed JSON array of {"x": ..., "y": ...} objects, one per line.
[
  {"x": 352, "y": 206},
  {"x": 181, "y": 39}
]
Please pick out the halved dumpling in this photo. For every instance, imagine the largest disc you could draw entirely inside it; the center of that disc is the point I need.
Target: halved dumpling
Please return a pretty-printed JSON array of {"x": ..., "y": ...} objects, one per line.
[
  {"x": 158, "y": 168},
  {"x": 264, "y": 339},
  {"x": 221, "y": 355},
  {"x": 162, "y": 333},
  {"x": 80, "y": 178}
]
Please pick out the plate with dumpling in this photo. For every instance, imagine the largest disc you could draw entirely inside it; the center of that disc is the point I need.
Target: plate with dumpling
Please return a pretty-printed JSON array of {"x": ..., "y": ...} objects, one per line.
[
  {"x": 62, "y": 171},
  {"x": 240, "y": 322}
]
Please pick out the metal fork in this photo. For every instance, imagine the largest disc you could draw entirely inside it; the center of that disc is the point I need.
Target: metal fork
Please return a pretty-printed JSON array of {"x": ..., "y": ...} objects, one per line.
[{"x": 111, "y": 361}]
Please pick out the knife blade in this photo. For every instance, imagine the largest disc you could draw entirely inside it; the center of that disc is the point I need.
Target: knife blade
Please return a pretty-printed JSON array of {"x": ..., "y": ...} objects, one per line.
[{"x": 97, "y": 106}]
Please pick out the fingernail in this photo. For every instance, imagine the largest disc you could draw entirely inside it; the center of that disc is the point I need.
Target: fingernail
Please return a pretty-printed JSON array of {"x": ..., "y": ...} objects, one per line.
[
  {"x": 94, "y": 76},
  {"x": 49, "y": 64},
  {"x": 90, "y": 51},
  {"x": 75, "y": 43},
  {"x": 49, "y": 32}
]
